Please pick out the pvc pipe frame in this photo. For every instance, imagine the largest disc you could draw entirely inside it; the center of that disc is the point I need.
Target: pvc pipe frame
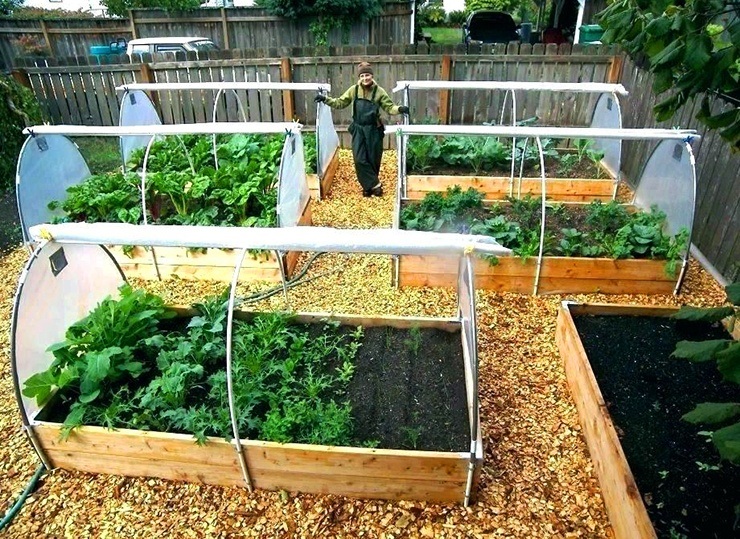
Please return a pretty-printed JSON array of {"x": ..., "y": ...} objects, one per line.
[
  {"x": 552, "y": 132},
  {"x": 225, "y": 85},
  {"x": 577, "y": 87},
  {"x": 215, "y": 128}
]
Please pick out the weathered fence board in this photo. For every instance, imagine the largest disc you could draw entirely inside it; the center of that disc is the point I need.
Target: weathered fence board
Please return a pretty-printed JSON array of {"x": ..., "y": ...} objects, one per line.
[
  {"x": 230, "y": 28},
  {"x": 717, "y": 219}
]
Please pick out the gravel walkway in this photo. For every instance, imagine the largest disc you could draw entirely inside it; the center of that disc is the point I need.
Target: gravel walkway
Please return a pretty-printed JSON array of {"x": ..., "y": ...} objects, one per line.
[{"x": 537, "y": 479}]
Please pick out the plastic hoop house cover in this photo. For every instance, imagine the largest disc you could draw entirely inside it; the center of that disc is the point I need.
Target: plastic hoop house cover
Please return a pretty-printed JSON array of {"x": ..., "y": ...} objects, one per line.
[
  {"x": 138, "y": 109},
  {"x": 47, "y": 166},
  {"x": 75, "y": 272},
  {"x": 50, "y": 162}
]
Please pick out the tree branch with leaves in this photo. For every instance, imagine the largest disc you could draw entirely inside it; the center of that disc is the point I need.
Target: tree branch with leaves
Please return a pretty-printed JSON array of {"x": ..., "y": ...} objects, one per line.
[{"x": 692, "y": 50}]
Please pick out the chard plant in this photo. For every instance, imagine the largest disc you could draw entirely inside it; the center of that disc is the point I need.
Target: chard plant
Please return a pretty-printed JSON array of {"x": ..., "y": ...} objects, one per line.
[{"x": 240, "y": 192}]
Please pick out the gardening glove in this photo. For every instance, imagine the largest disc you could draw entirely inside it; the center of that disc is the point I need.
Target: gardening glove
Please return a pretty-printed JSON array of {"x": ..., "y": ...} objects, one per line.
[
  {"x": 403, "y": 109},
  {"x": 320, "y": 98}
]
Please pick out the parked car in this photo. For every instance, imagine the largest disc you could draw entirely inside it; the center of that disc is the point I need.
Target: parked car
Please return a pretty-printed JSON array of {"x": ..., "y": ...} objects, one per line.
[
  {"x": 152, "y": 45},
  {"x": 489, "y": 27}
]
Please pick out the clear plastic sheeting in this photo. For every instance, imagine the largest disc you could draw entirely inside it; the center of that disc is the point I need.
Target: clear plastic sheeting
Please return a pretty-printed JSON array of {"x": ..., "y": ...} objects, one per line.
[
  {"x": 466, "y": 313},
  {"x": 327, "y": 139},
  {"x": 50, "y": 162},
  {"x": 608, "y": 115},
  {"x": 293, "y": 193},
  {"x": 136, "y": 109},
  {"x": 585, "y": 87},
  {"x": 61, "y": 285},
  {"x": 669, "y": 180},
  {"x": 300, "y": 238},
  {"x": 47, "y": 166}
]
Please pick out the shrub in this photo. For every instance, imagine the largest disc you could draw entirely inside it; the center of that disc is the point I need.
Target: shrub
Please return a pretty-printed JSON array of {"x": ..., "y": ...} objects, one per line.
[
  {"x": 456, "y": 18},
  {"x": 18, "y": 109}
]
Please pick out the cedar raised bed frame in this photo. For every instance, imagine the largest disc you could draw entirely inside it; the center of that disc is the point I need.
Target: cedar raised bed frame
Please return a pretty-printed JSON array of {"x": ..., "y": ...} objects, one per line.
[
  {"x": 320, "y": 188},
  {"x": 558, "y": 275},
  {"x": 497, "y": 188},
  {"x": 214, "y": 264},
  {"x": 392, "y": 474},
  {"x": 627, "y": 513}
]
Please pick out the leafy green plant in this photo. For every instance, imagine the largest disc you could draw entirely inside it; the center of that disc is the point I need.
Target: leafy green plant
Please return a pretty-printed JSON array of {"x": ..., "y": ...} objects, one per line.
[
  {"x": 127, "y": 365},
  {"x": 413, "y": 343},
  {"x": 241, "y": 192},
  {"x": 422, "y": 152},
  {"x": 99, "y": 351},
  {"x": 566, "y": 163},
  {"x": 610, "y": 229},
  {"x": 726, "y": 353},
  {"x": 103, "y": 198}
]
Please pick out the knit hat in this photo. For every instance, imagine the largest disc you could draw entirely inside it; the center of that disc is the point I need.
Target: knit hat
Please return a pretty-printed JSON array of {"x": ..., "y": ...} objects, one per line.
[{"x": 364, "y": 67}]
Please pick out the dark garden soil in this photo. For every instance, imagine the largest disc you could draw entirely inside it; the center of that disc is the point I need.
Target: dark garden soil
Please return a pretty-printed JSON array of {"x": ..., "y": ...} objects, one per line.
[
  {"x": 407, "y": 396},
  {"x": 10, "y": 228},
  {"x": 647, "y": 392}
]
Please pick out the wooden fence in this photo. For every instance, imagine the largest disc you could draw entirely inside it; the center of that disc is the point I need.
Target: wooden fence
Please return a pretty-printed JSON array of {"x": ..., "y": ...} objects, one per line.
[
  {"x": 84, "y": 94},
  {"x": 230, "y": 28},
  {"x": 717, "y": 220}
]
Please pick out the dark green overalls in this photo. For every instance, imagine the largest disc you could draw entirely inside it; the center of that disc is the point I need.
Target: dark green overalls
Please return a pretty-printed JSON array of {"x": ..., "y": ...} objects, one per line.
[{"x": 367, "y": 139}]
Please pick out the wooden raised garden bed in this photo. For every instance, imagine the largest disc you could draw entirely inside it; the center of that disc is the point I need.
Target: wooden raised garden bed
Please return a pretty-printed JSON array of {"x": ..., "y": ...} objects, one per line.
[
  {"x": 630, "y": 410},
  {"x": 213, "y": 264},
  {"x": 365, "y": 472},
  {"x": 498, "y": 188},
  {"x": 321, "y": 189},
  {"x": 558, "y": 275}
]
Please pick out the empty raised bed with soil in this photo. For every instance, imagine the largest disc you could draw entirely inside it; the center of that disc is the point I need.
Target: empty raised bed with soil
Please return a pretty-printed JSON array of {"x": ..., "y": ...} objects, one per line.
[{"x": 655, "y": 470}]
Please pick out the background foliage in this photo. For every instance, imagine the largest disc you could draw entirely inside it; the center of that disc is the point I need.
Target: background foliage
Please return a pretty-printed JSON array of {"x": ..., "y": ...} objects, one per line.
[
  {"x": 18, "y": 108},
  {"x": 7, "y": 6},
  {"x": 121, "y": 7},
  {"x": 327, "y": 14},
  {"x": 690, "y": 47}
]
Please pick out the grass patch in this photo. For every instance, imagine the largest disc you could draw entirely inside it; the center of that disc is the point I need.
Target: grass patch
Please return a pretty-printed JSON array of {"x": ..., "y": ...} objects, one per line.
[
  {"x": 102, "y": 154},
  {"x": 445, "y": 36}
]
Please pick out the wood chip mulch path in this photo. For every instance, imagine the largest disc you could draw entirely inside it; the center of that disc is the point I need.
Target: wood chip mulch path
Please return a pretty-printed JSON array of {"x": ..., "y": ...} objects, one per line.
[{"x": 537, "y": 479}]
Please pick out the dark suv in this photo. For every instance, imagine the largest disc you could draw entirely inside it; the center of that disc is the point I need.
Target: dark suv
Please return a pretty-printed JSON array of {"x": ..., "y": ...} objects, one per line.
[{"x": 489, "y": 27}]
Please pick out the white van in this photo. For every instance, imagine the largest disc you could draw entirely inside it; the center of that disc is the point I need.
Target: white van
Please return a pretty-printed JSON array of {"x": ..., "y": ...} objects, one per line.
[{"x": 153, "y": 45}]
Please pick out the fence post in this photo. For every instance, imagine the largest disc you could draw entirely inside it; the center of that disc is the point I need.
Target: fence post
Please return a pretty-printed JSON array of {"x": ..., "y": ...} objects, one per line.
[
  {"x": 132, "y": 23},
  {"x": 225, "y": 28},
  {"x": 49, "y": 44},
  {"x": 21, "y": 77},
  {"x": 615, "y": 69},
  {"x": 146, "y": 75},
  {"x": 286, "y": 75},
  {"x": 444, "y": 95}
]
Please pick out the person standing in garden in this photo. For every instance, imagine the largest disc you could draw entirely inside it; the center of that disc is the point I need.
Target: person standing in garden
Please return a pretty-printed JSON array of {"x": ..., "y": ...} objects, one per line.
[{"x": 367, "y": 130}]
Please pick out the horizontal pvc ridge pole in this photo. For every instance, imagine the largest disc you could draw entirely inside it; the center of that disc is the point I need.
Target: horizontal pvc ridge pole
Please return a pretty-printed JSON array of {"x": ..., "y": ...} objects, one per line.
[
  {"x": 177, "y": 129},
  {"x": 225, "y": 85},
  {"x": 585, "y": 87},
  {"x": 299, "y": 238},
  {"x": 551, "y": 132}
]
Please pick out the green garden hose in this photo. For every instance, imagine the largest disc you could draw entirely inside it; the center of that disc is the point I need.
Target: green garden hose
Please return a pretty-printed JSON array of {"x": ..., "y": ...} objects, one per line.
[{"x": 30, "y": 487}]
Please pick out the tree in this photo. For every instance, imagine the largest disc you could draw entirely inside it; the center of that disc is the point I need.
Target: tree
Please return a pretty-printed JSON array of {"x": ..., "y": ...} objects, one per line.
[
  {"x": 7, "y": 6},
  {"x": 509, "y": 6},
  {"x": 327, "y": 14},
  {"x": 121, "y": 7},
  {"x": 692, "y": 50}
]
